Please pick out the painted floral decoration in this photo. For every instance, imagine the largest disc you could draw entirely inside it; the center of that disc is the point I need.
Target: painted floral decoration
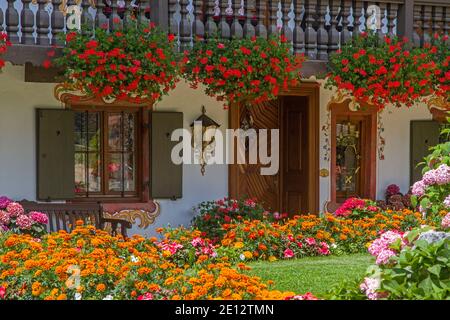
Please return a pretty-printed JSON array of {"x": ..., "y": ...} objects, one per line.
[
  {"x": 133, "y": 64},
  {"x": 388, "y": 71},
  {"x": 243, "y": 70}
]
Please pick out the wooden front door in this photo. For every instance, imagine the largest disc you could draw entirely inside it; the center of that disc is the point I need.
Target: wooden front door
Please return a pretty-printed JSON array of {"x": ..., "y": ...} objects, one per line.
[
  {"x": 294, "y": 154},
  {"x": 295, "y": 189}
]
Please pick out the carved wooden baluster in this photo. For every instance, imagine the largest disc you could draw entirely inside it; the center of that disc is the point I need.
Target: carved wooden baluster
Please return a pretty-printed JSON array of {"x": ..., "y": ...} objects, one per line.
[
  {"x": 273, "y": 9},
  {"x": 427, "y": 23},
  {"x": 58, "y": 20},
  {"x": 27, "y": 19},
  {"x": 438, "y": 20},
  {"x": 175, "y": 18},
  {"x": 31, "y": 19},
  {"x": 322, "y": 34},
  {"x": 333, "y": 33},
  {"x": 299, "y": 34},
  {"x": 447, "y": 23},
  {"x": 287, "y": 30},
  {"x": 199, "y": 27},
  {"x": 236, "y": 27},
  {"x": 211, "y": 26},
  {"x": 357, "y": 14},
  {"x": 3, "y": 8},
  {"x": 261, "y": 29},
  {"x": 185, "y": 25},
  {"x": 345, "y": 33},
  {"x": 45, "y": 22},
  {"x": 251, "y": 21},
  {"x": 227, "y": 11},
  {"x": 92, "y": 12},
  {"x": 310, "y": 33},
  {"x": 118, "y": 11},
  {"x": 418, "y": 33},
  {"x": 391, "y": 16}
]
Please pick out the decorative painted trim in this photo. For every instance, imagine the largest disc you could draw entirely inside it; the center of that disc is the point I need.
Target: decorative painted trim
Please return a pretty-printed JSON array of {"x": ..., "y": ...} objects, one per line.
[
  {"x": 326, "y": 133},
  {"x": 146, "y": 217},
  {"x": 69, "y": 94},
  {"x": 381, "y": 139}
]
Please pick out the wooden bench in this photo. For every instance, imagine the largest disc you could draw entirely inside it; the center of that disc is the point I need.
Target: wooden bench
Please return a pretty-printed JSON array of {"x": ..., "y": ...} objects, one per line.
[{"x": 63, "y": 216}]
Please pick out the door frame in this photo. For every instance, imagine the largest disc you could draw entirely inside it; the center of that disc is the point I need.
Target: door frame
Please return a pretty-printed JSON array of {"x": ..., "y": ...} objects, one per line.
[{"x": 310, "y": 90}]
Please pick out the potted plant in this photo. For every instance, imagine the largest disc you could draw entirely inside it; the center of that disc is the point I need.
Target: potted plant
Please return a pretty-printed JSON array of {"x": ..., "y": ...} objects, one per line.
[
  {"x": 243, "y": 70},
  {"x": 388, "y": 71},
  {"x": 135, "y": 64}
]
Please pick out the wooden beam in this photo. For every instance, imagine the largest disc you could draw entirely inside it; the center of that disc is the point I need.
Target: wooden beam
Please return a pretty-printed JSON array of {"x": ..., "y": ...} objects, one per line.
[{"x": 42, "y": 75}]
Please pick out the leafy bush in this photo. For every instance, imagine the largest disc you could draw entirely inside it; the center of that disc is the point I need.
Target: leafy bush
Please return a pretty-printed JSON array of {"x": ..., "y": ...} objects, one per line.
[
  {"x": 212, "y": 215},
  {"x": 414, "y": 265}
]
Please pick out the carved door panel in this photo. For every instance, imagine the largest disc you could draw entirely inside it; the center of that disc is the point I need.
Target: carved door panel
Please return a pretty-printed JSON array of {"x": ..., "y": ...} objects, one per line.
[{"x": 247, "y": 178}]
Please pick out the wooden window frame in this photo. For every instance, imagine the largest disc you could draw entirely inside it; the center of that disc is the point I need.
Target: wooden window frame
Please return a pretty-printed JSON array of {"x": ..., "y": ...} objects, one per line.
[
  {"x": 368, "y": 114},
  {"x": 142, "y": 155}
]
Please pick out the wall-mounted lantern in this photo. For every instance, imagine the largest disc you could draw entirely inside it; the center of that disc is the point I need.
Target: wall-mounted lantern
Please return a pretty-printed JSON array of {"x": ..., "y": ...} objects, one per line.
[{"x": 203, "y": 145}]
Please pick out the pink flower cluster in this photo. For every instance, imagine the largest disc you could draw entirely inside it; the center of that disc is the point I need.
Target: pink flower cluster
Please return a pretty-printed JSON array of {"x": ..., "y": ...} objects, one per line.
[
  {"x": 13, "y": 216},
  {"x": 306, "y": 296},
  {"x": 439, "y": 176},
  {"x": 203, "y": 246},
  {"x": 447, "y": 201},
  {"x": 446, "y": 221},
  {"x": 381, "y": 247},
  {"x": 309, "y": 244},
  {"x": 370, "y": 286},
  {"x": 172, "y": 247},
  {"x": 354, "y": 204}
]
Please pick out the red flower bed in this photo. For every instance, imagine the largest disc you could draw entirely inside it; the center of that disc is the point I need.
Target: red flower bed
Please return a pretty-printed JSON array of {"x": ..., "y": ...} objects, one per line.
[
  {"x": 388, "y": 71},
  {"x": 133, "y": 64},
  {"x": 4, "y": 44},
  {"x": 243, "y": 70}
]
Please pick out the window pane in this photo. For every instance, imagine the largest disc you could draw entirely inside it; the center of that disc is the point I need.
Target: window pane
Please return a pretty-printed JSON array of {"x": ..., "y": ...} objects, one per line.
[
  {"x": 80, "y": 131},
  {"x": 80, "y": 173},
  {"x": 94, "y": 131},
  {"x": 130, "y": 172},
  {"x": 115, "y": 132},
  {"x": 128, "y": 128},
  {"x": 95, "y": 173},
  {"x": 114, "y": 168}
]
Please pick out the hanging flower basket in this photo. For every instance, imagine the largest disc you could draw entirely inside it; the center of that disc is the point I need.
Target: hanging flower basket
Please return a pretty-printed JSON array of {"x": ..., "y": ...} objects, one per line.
[
  {"x": 4, "y": 44},
  {"x": 388, "y": 71},
  {"x": 243, "y": 70},
  {"x": 135, "y": 64}
]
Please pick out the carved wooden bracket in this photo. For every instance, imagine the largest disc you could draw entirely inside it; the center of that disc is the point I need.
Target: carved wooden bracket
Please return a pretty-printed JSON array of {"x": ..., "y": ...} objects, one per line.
[{"x": 439, "y": 108}]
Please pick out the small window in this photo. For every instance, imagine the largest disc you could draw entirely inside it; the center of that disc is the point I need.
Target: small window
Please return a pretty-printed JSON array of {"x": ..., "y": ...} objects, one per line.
[{"x": 106, "y": 154}]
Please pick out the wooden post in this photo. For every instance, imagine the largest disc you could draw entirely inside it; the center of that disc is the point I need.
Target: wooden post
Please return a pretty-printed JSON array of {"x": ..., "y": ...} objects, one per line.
[
  {"x": 159, "y": 13},
  {"x": 405, "y": 19}
]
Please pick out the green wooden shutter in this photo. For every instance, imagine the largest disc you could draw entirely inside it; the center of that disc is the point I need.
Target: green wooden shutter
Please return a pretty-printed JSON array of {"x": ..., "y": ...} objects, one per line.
[
  {"x": 166, "y": 177},
  {"x": 55, "y": 154},
  {"x": 424, "y": 134}
]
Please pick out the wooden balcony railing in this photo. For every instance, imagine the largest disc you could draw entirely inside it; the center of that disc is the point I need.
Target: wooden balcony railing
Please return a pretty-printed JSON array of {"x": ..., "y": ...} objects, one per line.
[{"x": 314, "y": 27}]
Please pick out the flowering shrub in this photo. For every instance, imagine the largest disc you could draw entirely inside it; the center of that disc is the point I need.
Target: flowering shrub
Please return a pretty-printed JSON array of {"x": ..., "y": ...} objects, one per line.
[
  {"x": 13, "y": 218},
  {"x": 310, "y": 235},
  {"x": 380, "y": 72},
  {"x": 135, "y": 63},
  {"x": 356, "y": 208},
  {"x": 4, "y": 44},
  {"x": 432, "y": 192},
  {"x": 412, "y": 265},
  {"x": 91, "y": 264},
  {"x": 243, "y": 70},
  {"x": 211, "y": 215}
]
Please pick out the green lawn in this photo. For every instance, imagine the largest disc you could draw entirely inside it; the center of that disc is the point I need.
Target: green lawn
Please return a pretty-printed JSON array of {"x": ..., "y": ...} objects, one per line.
[{"x": 313, "y": 274}]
